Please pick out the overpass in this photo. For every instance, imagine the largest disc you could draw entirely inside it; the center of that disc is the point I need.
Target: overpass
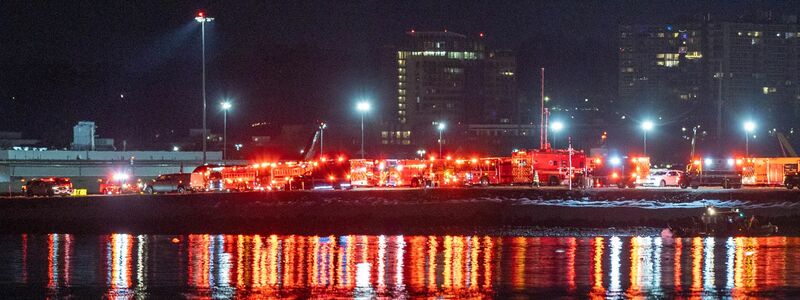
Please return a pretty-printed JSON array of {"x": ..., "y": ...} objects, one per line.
[{"x": 86, "y": 167}]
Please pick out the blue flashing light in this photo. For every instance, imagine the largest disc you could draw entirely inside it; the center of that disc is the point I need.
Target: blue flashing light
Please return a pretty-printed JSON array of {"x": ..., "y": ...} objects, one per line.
[
  {"x": 669, "y": 27},
  {"x": 615, "y": 161}
]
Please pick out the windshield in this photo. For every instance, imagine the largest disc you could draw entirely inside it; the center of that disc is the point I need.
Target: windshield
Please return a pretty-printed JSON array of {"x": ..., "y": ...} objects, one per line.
[{"x": 659, "y": 173}]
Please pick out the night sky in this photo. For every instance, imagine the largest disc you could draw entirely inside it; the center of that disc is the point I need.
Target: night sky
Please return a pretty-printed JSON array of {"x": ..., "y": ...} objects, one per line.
[{"x": 134, "y": 67}]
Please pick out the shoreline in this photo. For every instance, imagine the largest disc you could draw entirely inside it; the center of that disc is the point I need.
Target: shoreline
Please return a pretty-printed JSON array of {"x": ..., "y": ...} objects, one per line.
[{"x": 402, "y": 211}]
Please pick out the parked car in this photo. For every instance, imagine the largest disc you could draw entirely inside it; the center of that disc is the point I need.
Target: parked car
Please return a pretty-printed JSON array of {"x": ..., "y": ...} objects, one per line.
[
  {"x": 48, "y": 187},
  {"x": 663, "y": 178},
  {"x": 169, "y": 183}
]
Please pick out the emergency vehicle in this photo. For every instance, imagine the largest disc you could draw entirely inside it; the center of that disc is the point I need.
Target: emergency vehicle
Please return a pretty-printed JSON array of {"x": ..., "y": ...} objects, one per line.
[
  {"x": 364, "y": 172},
  {"x": 622, "y": 172},
  {"x": 323, "y": 174},
  {"x": 551, "y": 167},
  {"x": 403, "y": 172},
  {"x": 726, "y": 173},
  {"x": 766, "y": 171},
  {"x": 120, "y": 183},
  {"x": 224, "y": 178},
  {"x": 483, "y": 171}
]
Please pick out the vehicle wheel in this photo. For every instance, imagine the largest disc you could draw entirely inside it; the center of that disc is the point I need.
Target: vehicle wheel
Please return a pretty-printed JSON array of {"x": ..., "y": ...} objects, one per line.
[
  {"x": 552, "y": 181},
  {"x": 29, "y": 193},
  {"x": 726, "y": 185},
  {"x": 621, "y": 185},
  {"x": 683, "y": 185},
  {"x": 789, "y": 185},
  {"x": 738, "y": 186},
  {"x": 414, "y": 182},
  {"x": 181, "y": 190},
  {"x": 484, "y": 181},
  {"x": 149, "y": 190},
  {"x": 694, "y": 187},
  {"x": 50, "y": 193},
  {"x": 632, "y": 185},
  {"x": 662, "y": 184}
]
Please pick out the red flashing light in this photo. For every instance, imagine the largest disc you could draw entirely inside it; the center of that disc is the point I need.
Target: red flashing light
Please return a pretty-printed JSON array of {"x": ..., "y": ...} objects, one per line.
[
  {"x": 449, "y": 158},
  {"x": 480, "y": 34},
  {"x": 598, "y": 161},
  {"x": 340, "y": 159},
  {"x": 200, "y": 14},
  {"x": 323, "y": 159}
]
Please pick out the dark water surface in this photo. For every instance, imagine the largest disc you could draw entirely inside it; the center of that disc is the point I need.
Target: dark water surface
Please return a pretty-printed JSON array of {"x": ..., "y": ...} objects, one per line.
[{"x": 257, "y": 266}]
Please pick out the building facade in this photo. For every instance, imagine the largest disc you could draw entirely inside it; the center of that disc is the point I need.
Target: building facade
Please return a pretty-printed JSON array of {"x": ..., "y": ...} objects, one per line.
[
  {"x": 713, "y": 73},
  {"x": 447, "y": 77}
]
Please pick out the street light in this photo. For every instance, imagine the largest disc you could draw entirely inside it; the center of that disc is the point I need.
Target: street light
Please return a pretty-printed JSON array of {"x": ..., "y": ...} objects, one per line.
[
  {"x": 749, "y": 127},
  {"x": 646, "y": 126},
  {"x": 363, "y": 107},
  {"x": 322, "y": 127},
  {"x": 441, "y": 127},
  {"x": 203, "y": 19},
  {"x": 225, "y": 107},
  {"x": 556, "y": 126}
]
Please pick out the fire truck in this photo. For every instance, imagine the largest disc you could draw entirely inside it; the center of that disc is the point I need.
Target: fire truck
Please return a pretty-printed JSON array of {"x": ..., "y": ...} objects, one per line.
[
  {"x": 322, "y": 174},
  {"x": 278, "y": 175},
  {"x": 767, "y": 171},
  {"x": 224, "y": 178},
  {"x": 484, "y": 171},
  {"x": 364, "y": 172},
  {"x": 403, "y": 172},
  {"x": 726, "y": 173},
  {"x": 622, "y": 172},
  {"x": 550, "y": 167}
]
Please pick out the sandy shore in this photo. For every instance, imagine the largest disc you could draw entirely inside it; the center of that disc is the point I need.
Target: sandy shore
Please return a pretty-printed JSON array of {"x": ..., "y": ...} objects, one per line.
[{"x": 389, "y": 211}]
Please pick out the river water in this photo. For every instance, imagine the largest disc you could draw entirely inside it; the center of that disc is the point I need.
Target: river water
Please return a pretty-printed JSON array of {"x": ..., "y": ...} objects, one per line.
[{"x": 357, "y": 266}]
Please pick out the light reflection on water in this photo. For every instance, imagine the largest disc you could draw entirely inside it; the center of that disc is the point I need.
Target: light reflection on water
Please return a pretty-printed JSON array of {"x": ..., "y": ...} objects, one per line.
[{"x": 223, "y": 266}]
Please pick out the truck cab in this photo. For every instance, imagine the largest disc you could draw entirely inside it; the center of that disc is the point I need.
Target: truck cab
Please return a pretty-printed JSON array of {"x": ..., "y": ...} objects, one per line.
[
  {"x": 710, "y": 171},
  {"x": 791, "y": 176}
]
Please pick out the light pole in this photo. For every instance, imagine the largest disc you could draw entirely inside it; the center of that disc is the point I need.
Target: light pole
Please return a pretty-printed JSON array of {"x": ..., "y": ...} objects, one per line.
[
  {"x": 646, "y": 126},
  {"x": 556, "y": 126},
  {"x": 362, "y": 107},
  {"x": 225, "y": 107},
  {"x": 201, "y": 17},
  {"x": 749, "y": 127},
  {"x": 322, "y": 127},
  {"x": 441, "y": 127}
]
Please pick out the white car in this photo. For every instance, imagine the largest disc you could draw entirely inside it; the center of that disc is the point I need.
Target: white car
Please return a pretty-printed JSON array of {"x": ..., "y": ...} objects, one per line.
[{"x": 663, "y": 178}]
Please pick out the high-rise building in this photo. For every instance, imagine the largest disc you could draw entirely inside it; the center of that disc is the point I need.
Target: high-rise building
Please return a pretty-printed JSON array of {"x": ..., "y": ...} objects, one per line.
[
  {"x": 713, "y": 73},
  {"x": 447, "y": 77}
]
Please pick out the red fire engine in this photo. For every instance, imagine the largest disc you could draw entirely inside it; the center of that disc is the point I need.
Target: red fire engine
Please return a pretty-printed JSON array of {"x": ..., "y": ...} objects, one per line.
[
  {"x": 483, "y": 171},
  {"x": 548, "y": 166},
  {"x": 403, "y": 172}
]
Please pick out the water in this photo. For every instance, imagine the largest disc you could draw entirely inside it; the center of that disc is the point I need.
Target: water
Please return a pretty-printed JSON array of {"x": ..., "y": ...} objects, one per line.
[{"x": 224, "y": 266}]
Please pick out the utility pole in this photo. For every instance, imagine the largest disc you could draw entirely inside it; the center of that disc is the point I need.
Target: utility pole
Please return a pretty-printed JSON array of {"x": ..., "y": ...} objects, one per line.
[
  {"x": 720, "y": 76},
  {"x": 542, "y": 130}
]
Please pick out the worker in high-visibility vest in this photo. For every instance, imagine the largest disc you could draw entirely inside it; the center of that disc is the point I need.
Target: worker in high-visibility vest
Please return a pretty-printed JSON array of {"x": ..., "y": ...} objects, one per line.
[{"x": 536, "y": 178}]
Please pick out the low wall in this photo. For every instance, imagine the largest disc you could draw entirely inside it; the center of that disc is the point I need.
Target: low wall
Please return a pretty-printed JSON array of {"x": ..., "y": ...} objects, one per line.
[{"x": 384, "y": 212}]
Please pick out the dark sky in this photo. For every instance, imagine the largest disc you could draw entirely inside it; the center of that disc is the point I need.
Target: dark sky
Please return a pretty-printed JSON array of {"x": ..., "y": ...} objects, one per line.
[{"x": 279, "y": 61}]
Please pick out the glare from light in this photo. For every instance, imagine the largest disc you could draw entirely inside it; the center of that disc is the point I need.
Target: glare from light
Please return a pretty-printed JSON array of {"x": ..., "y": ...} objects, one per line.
[
  {"x": 363, "y": 106},
  {"x": 176, "y": 148},
  {"x": 647, "y": 125},
  {"x": 749, "y": 126},
  {"x": 557, "y": 126},
  {"x": 731, "y": 161},
  {"x": 615, "y": 161},
  {"x": 441, "y": 126},
  {"x": 709, "y": 161},
  {"x": 226, "y": 105}
]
